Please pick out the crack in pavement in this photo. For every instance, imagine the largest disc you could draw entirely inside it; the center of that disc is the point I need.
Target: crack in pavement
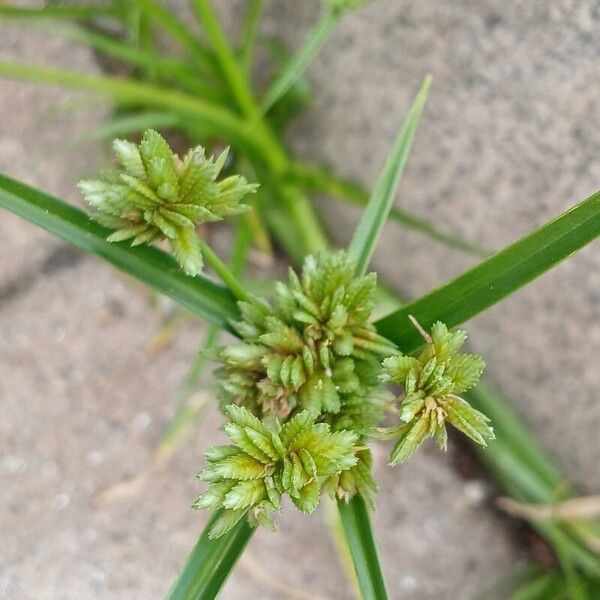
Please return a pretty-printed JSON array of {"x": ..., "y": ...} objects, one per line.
[{"x": 60, "y": 258}]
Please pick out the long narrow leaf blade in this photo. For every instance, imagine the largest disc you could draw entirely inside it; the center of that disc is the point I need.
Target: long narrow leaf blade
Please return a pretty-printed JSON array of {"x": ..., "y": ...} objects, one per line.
[
  {"x": 120, "y": 126},
  {"x": 178, "y": 30},
  {"x": 321, "y": 180},
  {"x": 357, "y": 527},
  {"x": 169, "y": 68},
  {"x": 59, "y": 12},
  {"x": 207, "y": 115},
  {"x": 369, "y": 228},
  {"x": 498, "y": 276},
  {"x": 210, "y": 562},
  {"x": 300, "y": 61},
  {"x": 148, "y": 264}
]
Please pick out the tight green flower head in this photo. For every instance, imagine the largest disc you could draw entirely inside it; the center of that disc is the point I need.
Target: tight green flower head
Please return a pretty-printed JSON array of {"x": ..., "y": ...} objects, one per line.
[
  {"x": 431, "y": 383},
  {"x": 315, "y": 349},
  {"x": 156, "y": 195},
  {"x": 249, "y": 476}
]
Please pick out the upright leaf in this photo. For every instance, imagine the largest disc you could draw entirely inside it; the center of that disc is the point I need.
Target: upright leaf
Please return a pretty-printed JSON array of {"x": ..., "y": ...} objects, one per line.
[
  {"x": 300, "y": 61},
  {"x": 357, "y": 527},
  {"x": 210, "y": 563},
  {"x": 369, "y": 228}
]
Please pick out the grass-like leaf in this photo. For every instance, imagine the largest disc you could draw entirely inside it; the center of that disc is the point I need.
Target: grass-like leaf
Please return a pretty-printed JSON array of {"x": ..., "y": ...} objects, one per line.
[
  {"x": 178, "y": 31},
  {"x": 371, "y": 224},
  {"x": 168, "y": 68},
  {"x": 209, "y": 117},
  {"x": 316, "y": 179},
  {"x": 123, "y": 125},
  {"x": 148, "y": 264},
  {"x": 357, "y": 527},
  {"x": 249, "y": 32},
  {"x": 522, "y": 469},
  {"x": 60, "y": 12},
  {"x": 224, "y": 55},
  {"x": 300, "y": 61},
  {"x": 498, "y": 276},
  {"x": 210, "y": 563}
]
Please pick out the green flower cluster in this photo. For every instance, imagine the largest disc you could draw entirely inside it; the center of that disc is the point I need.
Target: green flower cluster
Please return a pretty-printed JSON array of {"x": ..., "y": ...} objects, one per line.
[
  {"x": 431, "y": 383},
  {"x": 156, "y": 195},
  {"x": 250, "y": 475},
  {"x": 312, "y": 361},
  {"x": 315, "y": 350}
]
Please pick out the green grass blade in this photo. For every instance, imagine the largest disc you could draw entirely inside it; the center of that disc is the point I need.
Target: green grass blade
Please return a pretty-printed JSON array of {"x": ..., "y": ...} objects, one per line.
[
  {"x": 541, "y": 587},
  {"x": 319, "y": 180},
  {"x": 59, "y": 12},
  {"x": 148, "y": 264},
  {"x": 210, "y": 562},
  {"x": 498, "y": 276},
  {"x": 371, "y": 224},
  {"x": 178, "y": 30},
  {"x": 357, "y": 527},
  {"x": 574, "y": 585},
  {"x": 232, "y": 71},
  {"x": 509, "y": 428},
  {"x": 169, "y": 68},
  {"x": 251, "y": 19},
  {"x": 300, "y": 61},
  {"x": 119, "y": 126},
  {"x": 210, "y": 117}
]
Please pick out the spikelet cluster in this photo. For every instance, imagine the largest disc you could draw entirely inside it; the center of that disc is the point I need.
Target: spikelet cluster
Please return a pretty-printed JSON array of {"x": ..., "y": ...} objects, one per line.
[
  {"x": 311, "y": 361},
  {"x": 250, "y": 476},
  {"x": 432, "y": 382},
  {"x": 154, "y": 195},
  {"x": 315, "y": 349}
]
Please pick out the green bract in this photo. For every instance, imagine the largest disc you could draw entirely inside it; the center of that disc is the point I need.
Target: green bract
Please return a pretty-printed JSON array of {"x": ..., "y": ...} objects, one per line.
[
  {"x": 155, "y": 195},
  {"x": 315, "y": 349},
  {"x": 265, "y": 462},
  {"x": 431, "y": 384}
]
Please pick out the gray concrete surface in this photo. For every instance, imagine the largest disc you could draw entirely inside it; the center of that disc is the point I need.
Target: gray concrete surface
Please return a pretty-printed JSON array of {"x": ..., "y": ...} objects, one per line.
[{"x": 508, "y": 140}]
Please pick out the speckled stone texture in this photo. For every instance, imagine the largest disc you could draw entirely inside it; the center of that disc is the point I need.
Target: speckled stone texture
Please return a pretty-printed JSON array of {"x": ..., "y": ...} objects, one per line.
[{"x": 507, "y": 141}]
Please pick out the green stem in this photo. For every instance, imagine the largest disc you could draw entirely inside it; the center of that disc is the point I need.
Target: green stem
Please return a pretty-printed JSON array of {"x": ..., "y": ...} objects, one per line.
[
  {"x": 297, "y": 204},
  {"x": 355, "y": 520},
  {"x": 222, "y": 270},
  {"x": 227, "y": 60},
  {"x": 210, "y": 563}
]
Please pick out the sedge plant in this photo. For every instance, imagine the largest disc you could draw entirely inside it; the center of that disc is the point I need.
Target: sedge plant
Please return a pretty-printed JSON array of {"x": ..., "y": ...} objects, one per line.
[{"x": 302, "y": 389}]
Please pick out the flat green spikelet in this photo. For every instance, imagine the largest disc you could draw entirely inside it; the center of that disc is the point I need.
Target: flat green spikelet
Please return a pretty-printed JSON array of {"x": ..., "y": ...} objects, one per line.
[
  {"x": 250, "y": 476},
  {"x": 153, "y": 195},
  {"x": 429, "y": 400}
]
